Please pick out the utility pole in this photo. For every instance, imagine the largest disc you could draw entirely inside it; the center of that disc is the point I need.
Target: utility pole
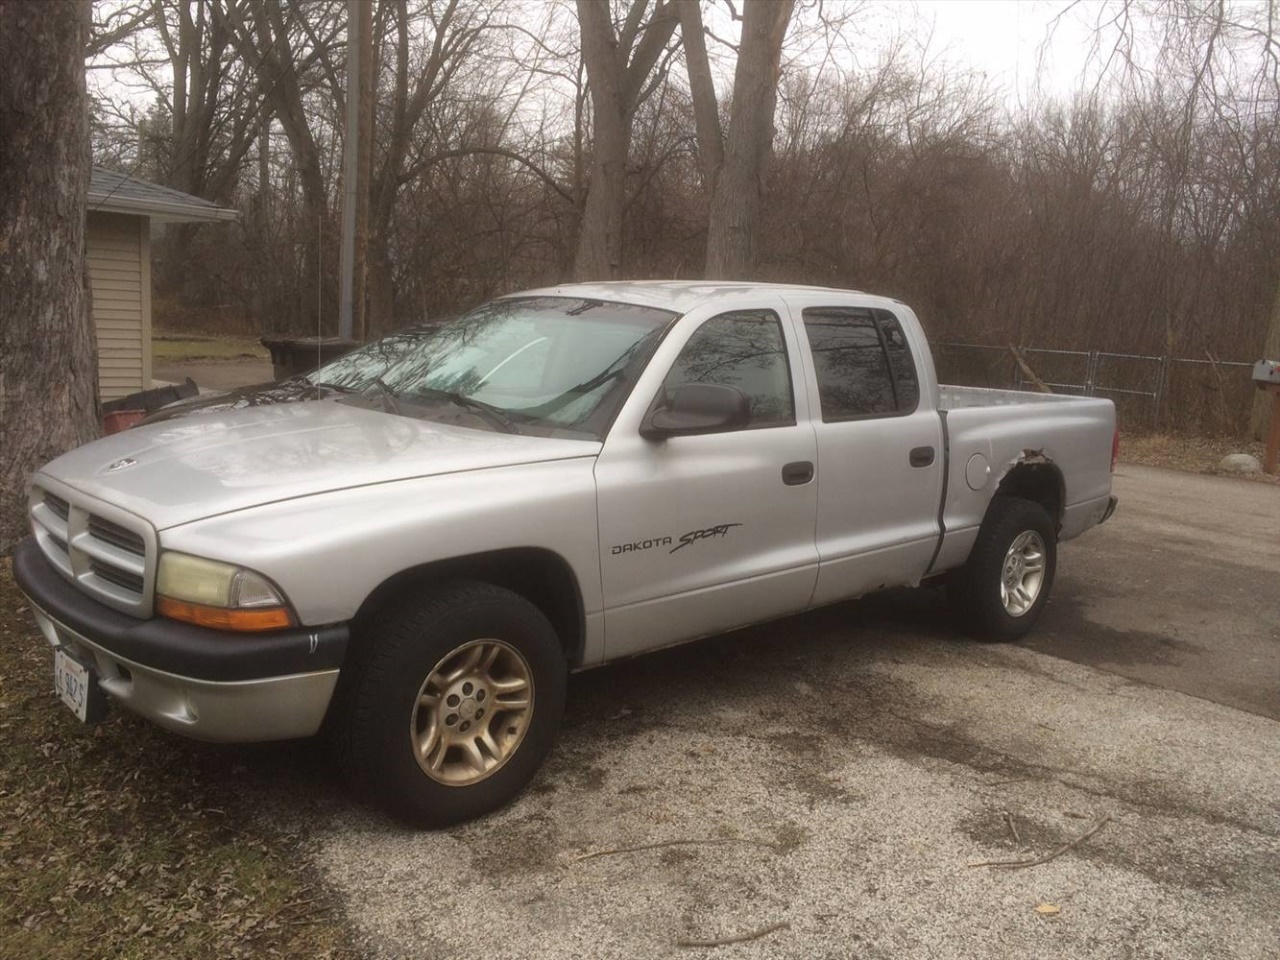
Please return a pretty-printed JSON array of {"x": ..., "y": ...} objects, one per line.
[
  {"x": 350, "y": 174},
  {"x": 364, "y": 162},
  {"x": 264, "y": 211}
]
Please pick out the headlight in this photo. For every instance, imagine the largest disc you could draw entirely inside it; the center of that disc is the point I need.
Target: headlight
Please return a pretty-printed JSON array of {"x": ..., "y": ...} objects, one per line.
[{"x": 214, "y": 594}]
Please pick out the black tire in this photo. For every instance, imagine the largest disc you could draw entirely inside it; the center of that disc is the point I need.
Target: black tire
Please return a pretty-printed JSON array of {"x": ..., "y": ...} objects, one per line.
[
  {"x": 377, "y": 714},
  {"x": 977, "y": 590}
]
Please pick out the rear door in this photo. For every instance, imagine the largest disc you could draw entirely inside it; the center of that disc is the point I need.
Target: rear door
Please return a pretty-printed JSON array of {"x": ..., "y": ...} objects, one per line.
[
  {"x": 880, "y": 447},
  {"x": 703, "y": 533}
]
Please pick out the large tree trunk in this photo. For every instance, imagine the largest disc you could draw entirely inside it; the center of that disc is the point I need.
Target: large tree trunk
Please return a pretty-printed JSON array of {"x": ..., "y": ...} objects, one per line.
[
  {"x": 49, "y": 365},
  {"x": 738, "y": 189},
  {"x": 702, "y": 90},
  {"x": 619, "y": 68},
  {"x": 1264, "y": 402},
  {"x": 599, "y": 255}
]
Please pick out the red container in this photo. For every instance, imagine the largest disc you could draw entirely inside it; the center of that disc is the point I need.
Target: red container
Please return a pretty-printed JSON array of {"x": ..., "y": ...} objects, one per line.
[{"x": 118, "y": 420}]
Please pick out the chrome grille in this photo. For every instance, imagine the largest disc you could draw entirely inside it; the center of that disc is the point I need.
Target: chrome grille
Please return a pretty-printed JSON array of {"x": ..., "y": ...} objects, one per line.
[{"x": 105, "y": 551}]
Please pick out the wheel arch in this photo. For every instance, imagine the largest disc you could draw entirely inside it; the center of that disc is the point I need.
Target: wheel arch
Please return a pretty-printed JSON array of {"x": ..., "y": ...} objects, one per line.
[
  {"x": 1037, "y": 478},
  {"x": 541, "y": 576}
]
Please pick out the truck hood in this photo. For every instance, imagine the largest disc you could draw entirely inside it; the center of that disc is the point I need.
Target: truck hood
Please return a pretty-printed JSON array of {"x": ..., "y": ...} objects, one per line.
[{"x": 188, "y": 469}]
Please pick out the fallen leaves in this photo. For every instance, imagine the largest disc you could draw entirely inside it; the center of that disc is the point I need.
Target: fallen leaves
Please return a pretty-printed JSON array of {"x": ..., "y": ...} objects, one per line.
[{"x": 122, "y": 840}]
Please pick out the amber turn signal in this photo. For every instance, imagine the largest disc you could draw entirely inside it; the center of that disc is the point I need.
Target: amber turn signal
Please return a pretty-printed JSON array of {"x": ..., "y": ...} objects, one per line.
[{"x": 245, "y": 620}]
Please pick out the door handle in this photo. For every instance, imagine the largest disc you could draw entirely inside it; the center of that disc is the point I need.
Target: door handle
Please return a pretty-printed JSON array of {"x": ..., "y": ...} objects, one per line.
[
  {"x": 795, "y": 474},
  {"x": 921, "y": 456}
]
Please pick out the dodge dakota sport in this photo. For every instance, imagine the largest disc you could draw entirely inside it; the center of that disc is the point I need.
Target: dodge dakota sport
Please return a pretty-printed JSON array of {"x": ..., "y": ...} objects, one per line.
[{"x": 558, "y": 479}]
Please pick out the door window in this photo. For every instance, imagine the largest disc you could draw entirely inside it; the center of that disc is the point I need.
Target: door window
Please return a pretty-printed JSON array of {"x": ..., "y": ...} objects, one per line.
[
  {"x": 863, "y": 363},
  {"x": 744, "y": 349}
]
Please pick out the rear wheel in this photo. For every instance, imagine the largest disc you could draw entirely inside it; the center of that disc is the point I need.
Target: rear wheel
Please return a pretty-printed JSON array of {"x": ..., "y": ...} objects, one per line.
[
  {"x": 1002, "y": 589},
  {"x": 454, "y": 701}
]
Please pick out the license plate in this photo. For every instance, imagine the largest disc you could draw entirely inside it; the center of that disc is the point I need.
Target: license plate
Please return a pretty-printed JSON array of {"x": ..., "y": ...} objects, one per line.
[{"x": 73, "y": 681}]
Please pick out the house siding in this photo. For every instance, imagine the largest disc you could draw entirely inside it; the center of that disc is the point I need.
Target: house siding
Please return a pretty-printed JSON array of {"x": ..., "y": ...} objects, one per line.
[{"x": 120, "y": 278}]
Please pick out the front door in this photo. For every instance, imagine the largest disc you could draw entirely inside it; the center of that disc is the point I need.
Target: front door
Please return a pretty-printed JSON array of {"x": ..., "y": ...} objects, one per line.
[{"x": 703, "y": 533}]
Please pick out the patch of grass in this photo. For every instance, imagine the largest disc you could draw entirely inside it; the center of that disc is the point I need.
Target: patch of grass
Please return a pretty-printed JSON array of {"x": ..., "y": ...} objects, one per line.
[
  {"x": 173, "y": 347},
  {"x": 125, "y": 841},
  {"x": 1190, "y": 453}
]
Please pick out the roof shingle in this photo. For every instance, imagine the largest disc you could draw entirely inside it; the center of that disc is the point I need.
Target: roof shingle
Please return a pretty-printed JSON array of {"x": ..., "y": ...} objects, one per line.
[{"x": 111, "y": 192}]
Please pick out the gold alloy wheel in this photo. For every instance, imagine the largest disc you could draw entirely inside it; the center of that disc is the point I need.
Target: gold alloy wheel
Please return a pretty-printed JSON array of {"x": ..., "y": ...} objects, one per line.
[
  {"x": 1022, "y": 574},
  {"x": 472, "y": 712}
]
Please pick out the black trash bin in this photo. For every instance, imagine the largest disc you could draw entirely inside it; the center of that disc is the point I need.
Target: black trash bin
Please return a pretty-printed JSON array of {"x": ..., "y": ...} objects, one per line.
[{"x": 291, "y": 356}]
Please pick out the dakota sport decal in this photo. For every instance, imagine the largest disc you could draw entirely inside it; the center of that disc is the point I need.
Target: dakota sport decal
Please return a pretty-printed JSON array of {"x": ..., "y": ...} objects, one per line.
[
  {"x": 685, "y": 539},
  {"x": 693, "y": 536},
  {"x": 637, "y": 545}
]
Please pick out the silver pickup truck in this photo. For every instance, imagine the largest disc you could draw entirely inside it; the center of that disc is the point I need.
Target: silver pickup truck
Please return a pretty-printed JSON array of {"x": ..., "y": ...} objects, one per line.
[{"x": 558, "y": 479}]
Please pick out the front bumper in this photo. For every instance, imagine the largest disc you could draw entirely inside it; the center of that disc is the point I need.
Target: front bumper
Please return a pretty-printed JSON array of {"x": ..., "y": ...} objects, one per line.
[{"x": 202, "y": 683}]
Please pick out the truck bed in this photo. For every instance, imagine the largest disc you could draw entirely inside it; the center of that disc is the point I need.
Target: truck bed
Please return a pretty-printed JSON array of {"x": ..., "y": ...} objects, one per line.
[
  {"x": 991, "y": 431},
  {"x": 958, "y": 398}
]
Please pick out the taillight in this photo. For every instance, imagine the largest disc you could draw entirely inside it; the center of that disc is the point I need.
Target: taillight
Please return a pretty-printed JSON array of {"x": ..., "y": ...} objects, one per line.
[{"x": 1115, "y": 449}]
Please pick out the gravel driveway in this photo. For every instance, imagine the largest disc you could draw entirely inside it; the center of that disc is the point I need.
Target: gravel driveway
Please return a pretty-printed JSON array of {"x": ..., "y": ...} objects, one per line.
[{"x": 833, "y": 779}]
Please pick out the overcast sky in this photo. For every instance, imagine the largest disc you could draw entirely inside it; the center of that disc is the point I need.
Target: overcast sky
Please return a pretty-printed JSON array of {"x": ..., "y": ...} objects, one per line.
[{"x": 1009, "y": 40}]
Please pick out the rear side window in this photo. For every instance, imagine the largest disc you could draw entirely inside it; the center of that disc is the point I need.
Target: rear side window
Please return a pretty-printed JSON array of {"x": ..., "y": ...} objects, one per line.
[
  {"x": 744, "y": 349},
  {"x": 864, "y": 365}
]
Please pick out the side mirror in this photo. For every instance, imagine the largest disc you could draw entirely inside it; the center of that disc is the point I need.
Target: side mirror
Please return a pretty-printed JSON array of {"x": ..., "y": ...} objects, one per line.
[{"x": 694, "y": 408}]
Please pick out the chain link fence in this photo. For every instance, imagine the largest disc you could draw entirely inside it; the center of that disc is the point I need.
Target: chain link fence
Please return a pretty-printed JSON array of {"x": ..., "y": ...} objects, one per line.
[{"x": 1179, "y": 393}]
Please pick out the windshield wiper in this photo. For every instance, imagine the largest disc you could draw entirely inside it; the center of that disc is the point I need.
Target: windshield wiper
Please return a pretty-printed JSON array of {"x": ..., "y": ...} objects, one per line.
[
  {"x": 336, "y": 387},
  {"x": 388, "y": 396},
  {"x": 614, "y": 371},
  {"x": 494, "y": 415},
  {"x": 584, "y": 307},
  {"x": 324, "y": 390}
]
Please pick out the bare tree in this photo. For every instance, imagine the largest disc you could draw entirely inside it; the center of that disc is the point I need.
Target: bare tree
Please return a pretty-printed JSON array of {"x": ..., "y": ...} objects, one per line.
[
  {"x": 48, "y": 369},
  {"x": 1204, "y": 46},
  {"x": 294, "y": 51},
  {"x": 621, "y": 67},
  {"x": 282, "y": 47},
  {"x": 453, "y": 32},
  {"x": 112, "y": 25},
  {"x": 211, "y": 126},
  {"x": 734, "y": 170}
]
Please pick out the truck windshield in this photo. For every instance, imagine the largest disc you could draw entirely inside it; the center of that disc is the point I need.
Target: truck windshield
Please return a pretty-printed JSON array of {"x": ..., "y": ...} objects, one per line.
[{"x": 545, "y": 365}]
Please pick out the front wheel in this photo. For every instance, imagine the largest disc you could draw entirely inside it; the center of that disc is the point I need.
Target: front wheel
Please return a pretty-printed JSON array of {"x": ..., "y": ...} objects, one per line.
[
  {"x": 454, "y": 701},
  {"x": 1003, "y": 587}
]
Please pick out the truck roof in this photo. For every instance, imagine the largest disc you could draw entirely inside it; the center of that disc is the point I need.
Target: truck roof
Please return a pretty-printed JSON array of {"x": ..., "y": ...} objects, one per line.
[{"x": 678, "y": 295}]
